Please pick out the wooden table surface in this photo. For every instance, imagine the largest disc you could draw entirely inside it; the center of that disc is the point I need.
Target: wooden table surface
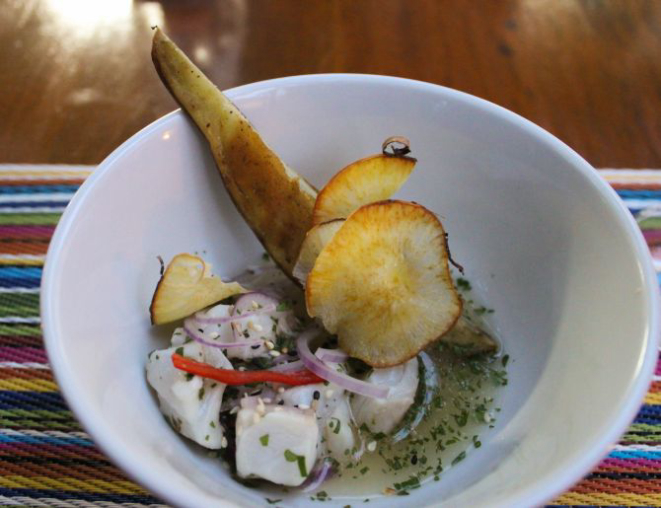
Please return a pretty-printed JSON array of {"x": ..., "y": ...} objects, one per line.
[{"x": 77, "y": 80}]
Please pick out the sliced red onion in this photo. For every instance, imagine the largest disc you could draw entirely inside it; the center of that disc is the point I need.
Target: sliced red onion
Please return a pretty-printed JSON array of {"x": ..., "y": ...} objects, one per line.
[
  {"x": 284, "y": 358},
  {"x": 331, "y": 355},
  {"x": 189, "y": 328},
  {"x": 251, "y": 302},
  {"x": 288, "y": 367},
  {"x": 318, "y": 476},
  {"x": 331, "y": 375}
]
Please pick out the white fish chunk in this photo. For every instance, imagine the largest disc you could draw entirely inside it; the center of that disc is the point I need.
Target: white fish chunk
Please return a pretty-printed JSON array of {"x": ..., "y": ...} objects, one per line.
[
  {"x": 190, "y": 403},
  {"x": 383, "y": 415},
  {"x": 336, "y": 425},
  {"x": 277, "y": 443}
]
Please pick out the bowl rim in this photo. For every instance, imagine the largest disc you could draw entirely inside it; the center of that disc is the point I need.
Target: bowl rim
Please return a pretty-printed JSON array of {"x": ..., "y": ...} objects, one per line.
[{"x": 535, "y": 494}]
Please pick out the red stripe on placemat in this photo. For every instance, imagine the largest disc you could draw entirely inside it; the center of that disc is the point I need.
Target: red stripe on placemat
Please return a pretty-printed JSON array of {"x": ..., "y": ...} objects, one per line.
[
  {"x": 23, "y": 354},
  {"x": 25, "y": 232},
  {"x": 635, "y": 186}
]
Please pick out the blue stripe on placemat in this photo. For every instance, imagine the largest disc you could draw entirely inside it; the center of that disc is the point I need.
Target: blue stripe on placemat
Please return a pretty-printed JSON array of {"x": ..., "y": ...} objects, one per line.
[{"x": 38, "y": 189}]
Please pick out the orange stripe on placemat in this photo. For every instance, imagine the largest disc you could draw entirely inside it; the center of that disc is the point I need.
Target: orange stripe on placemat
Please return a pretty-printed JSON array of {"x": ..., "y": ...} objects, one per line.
[
  {"x": 23, "y": 247},
  {"x": 38, "y": 182},
  {"x": 607, "y": 499},
  {"x": 9, "y": 373},
  {"x": 617, "y": 486}
]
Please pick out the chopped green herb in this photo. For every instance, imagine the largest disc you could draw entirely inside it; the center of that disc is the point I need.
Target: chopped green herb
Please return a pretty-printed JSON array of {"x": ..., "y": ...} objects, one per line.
[
  {"x": 200, "y": 393},
  {"x": 264, "y": 440},
  {"x": 179, "y": 351},
  {"x": 189, "y": 376},
  {"x": 212, "y": 425},
  {"x": 459, "y": 458},
  {"x": 504, "y": 360},
  {"x": 322, "y": 495},
  {"x": 463, "y": 284},
  {"x": 283, "y": 306},
  {"x": 265, "y": 256},
  {"x": 335, "y": 425},
  {"x": 300, "y": 459},
  {"x": 272, "y": 501}
]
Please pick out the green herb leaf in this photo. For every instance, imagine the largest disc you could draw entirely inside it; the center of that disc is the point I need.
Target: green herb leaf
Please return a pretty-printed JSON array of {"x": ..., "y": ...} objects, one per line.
[
  {"x": 283, "y": 306},
  {"x": 292, "y": 457},
  {"x": 335, "y": 424},
  {"x": 264, "y": 440},
  {"x": 463, "y": 284},
  {"x": 459, "y": 458}
]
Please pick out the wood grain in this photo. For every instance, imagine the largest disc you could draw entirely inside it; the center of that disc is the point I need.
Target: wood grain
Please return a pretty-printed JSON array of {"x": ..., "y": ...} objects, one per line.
[{"x": 76, "y": 78}]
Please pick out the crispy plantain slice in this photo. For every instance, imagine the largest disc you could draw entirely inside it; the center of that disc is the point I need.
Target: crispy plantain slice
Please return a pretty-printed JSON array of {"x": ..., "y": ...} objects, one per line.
[
  {"x": 276, "y": 202},
  {"x": 383, "y": 283},
  {"x": 362, "y": 182},
  {"x": 187, "y": 286}
]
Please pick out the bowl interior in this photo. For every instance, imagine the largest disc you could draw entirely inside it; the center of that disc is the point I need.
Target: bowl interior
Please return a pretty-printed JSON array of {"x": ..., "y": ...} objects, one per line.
[{"x": 543, "y": 241}]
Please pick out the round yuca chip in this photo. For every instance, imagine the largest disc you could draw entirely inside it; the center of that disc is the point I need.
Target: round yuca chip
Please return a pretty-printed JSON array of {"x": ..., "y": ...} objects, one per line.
[
  {"x": 315, "y": 241},
  {"x": 362, "y": 182},
  {"x": 186, "y": 287},
  {"x": 383, "y": 283}
]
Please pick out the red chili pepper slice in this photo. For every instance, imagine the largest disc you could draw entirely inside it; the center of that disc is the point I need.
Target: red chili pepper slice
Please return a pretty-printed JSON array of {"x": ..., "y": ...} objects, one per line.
[{"x": 238, "y": 377}]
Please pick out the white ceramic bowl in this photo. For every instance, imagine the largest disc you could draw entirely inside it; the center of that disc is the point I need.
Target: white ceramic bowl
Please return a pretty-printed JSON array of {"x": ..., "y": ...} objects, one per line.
[{"x": 544, "y": 241}]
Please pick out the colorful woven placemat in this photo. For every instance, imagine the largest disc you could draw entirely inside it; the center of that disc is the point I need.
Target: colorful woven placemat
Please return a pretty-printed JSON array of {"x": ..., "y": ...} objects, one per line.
[{"x": 47, "y": 460}]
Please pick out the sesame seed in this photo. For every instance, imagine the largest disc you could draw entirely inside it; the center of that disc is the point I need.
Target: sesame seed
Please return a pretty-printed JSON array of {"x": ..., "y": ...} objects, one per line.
[
  {"x": 252, "y": 326},
  {"x": 371, "y": 446},
  {"x": 254, "y": 304},
  {"x": 223, "y": 442},
  {"x": 269, "y": 344},
  {"x": 281, "y": 389},
  {"x": 285, "y": 350},
  {"x": 274, "y": 353},
  {"x": 214, "y": 335},
  {"x": 329, "y": 393}
]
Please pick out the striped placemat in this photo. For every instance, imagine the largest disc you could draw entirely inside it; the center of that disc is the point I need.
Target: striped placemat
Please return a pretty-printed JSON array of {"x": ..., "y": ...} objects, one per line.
[{"x": 47, "y": 460}]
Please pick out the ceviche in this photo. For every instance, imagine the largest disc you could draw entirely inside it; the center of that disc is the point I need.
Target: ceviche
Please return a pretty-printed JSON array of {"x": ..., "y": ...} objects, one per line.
[{"x": 352, "y": 360}]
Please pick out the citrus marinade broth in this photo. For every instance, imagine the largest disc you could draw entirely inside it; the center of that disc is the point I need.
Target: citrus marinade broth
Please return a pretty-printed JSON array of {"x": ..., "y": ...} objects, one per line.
[{"x": 464, "y": 405}]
